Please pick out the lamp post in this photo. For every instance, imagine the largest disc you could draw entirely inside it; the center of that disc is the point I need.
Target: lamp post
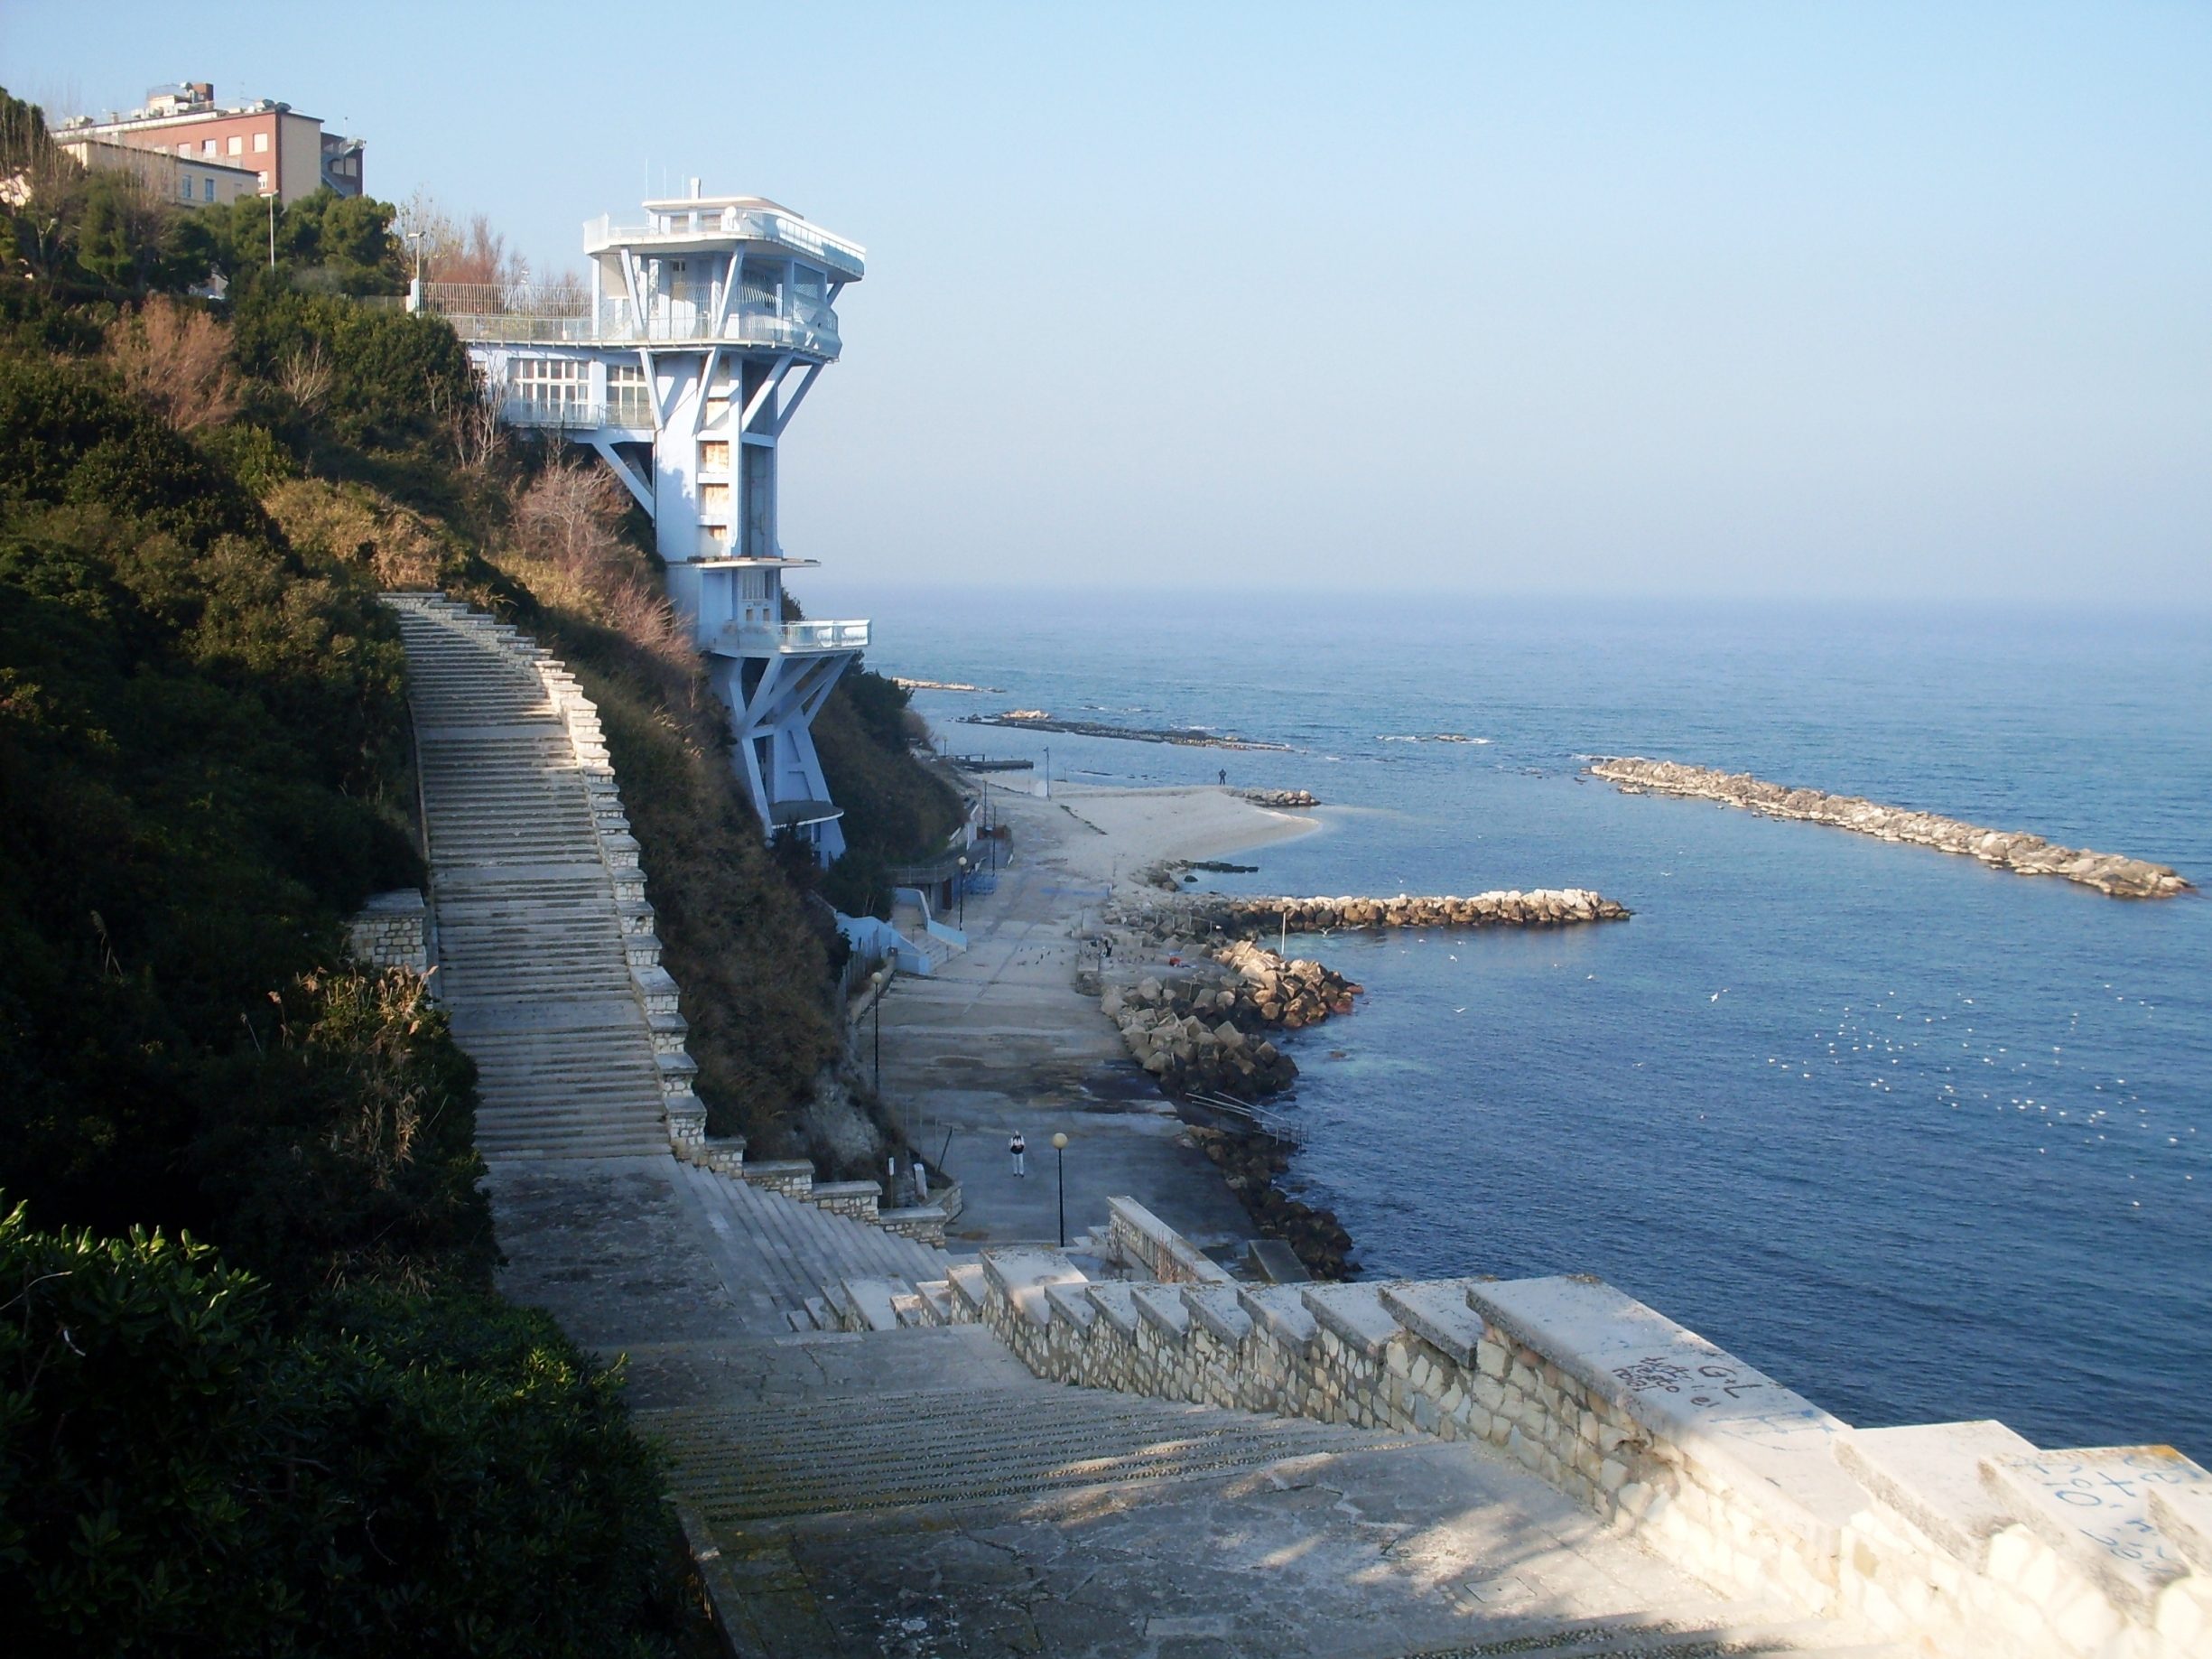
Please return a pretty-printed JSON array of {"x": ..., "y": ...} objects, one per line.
[
  {"x": 964, "y": 892},
  {"x": 416, "y": 299},
  {"x": 881, "y": 980},
  {"x": 1059, "y": 1147}
]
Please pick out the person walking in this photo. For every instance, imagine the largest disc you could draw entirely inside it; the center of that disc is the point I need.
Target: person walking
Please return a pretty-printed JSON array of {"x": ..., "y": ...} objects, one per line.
[{"x": 1019, "y": 1148}]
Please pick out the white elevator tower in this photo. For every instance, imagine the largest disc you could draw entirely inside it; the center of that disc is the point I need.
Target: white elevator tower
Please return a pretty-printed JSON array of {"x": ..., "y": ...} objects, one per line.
[{"x": 701, "y": 333}]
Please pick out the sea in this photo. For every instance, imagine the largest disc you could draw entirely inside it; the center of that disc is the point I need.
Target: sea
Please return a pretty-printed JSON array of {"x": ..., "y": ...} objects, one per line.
[{"x": 1922, "y": 1140}]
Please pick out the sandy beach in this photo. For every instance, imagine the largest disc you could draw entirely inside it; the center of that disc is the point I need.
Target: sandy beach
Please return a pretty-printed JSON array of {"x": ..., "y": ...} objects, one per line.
[{"x": 999, "y": 1038}]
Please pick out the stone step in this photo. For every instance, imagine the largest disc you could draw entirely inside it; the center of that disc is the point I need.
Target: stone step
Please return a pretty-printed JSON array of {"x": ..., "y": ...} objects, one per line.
[{"x": 896, "y": 1450}]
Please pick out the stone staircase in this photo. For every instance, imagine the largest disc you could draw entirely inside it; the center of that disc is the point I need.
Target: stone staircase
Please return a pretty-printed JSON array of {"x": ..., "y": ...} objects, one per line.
[
  {"x": 546, "y": 959},
  {"x": 1960, "y": 1538},
  {"x": 794, "y": 1262}
]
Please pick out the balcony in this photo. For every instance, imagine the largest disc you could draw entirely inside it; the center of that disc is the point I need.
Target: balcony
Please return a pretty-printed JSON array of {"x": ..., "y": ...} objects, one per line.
[
  {"x": 633, "y": 415},
  {"x": 492, "y": 315},
  {"x": 788, "y": 639},
  {"x": 694, "y": 227}
]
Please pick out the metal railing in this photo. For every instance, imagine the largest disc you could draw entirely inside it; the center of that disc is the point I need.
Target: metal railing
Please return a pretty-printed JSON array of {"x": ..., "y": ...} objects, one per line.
[
  {"x": 634, "y": 415},
  {"x": 746, "y": 224},
  {"x": 616, "y": 323},
  {"x": 765, "y": 636}
]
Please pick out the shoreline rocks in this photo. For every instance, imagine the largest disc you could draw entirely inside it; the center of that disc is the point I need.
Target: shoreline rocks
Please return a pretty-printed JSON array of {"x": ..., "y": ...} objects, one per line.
[
  {"x": 1041, "y": 720},
  {"x": 2108, "y": 873},
  {"x": 1234, "y": 915},
  {"x": 1281, "y": 801},
  {"x": 1249, "y": 1166},
  {"x": 1204, "y": 1031}
]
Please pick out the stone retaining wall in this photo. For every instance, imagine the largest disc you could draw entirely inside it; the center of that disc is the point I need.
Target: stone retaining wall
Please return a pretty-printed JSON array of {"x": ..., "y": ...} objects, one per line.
[
  {"x": 1960, "y": 1539},
  {"x": 1139, "y": 1236},
  {"x": 392, "y": 931}
]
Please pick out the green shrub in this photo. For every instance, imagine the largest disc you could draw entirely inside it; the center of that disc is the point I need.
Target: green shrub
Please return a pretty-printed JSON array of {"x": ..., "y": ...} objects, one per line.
[{"x": 401, "y": 1476}]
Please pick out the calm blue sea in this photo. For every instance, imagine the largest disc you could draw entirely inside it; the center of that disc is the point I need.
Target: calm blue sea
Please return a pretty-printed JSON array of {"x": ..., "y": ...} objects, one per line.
[{"x": 1924, "y": 1141}]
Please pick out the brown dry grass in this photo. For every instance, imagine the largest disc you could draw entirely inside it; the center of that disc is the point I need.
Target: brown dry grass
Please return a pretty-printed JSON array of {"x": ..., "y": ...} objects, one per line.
[
  {"x": 355, "y": 523},
  {"x": 177, "y": 359}
]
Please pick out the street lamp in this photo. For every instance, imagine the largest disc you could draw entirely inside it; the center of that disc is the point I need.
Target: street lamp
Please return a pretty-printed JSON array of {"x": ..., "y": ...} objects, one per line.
[
  {"x": 881, "y": 980},
  {"x": 964, "y": 892},
  {"x": 416, "y": 237},
  {"x": 1059, "y": 1145}
]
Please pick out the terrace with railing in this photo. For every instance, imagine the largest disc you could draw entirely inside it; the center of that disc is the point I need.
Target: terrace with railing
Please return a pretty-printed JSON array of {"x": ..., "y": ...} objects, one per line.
[
  {"x": 504, "y": 313},
  {"x": 770, "y": 639},
  {"x": 688, "y": 224}
]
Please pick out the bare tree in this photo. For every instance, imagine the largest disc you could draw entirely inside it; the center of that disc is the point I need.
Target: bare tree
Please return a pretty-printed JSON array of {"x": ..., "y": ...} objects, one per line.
[
  {"x": 305, "y": 376},
  {"x": 177, "y": 359}
]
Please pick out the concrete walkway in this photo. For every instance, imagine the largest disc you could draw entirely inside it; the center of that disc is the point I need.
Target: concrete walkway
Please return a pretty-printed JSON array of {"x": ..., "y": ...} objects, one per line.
[{"x": 997, "y": 1039}]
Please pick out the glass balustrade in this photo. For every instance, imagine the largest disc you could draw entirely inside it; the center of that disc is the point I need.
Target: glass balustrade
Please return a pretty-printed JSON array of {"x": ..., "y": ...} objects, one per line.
[
  {"x": 510, "y": 316},
  {"x": 767, "y": 637}
]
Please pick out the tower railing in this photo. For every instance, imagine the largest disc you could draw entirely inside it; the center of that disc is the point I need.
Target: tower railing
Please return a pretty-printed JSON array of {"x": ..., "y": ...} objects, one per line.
[
  {"x": 497, "y": 314},
  {"x": 746, "y": 224},
  {"x": 763, "y": 637}
]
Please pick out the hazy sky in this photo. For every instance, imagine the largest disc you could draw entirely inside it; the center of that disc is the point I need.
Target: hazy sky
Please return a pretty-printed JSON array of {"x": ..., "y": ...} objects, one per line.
[{"x": 1682, "y": 300}]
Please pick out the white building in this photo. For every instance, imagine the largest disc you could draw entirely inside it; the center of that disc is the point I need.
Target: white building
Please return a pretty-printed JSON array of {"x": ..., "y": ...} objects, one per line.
[{"x": 700, "y": 335}]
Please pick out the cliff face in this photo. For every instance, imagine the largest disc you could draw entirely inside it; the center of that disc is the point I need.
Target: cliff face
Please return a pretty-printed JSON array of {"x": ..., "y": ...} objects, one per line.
[{"x": 2031, "y": 855}]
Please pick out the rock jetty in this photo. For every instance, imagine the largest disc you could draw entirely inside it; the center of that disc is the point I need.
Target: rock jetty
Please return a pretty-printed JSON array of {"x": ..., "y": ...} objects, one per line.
[
  {"x": 1236, "y": 915},
  {"x": 1041, "y": 720},
  {"x": 1282, "y": 800},
  {"x": 1204, "y": 1029},
  {"x": 2029, "y": 855}
]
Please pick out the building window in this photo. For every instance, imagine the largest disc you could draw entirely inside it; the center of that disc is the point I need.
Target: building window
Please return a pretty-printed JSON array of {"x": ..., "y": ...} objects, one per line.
[
  {"x": 237, "y": 146},
  {"x": 261, "y": 143},
  {"x": 208, "y": 185},
  {"x": 549, "y": 387},
  {"x": 714, "y": 498},
  {"x": 714, "y": 458},
  {"x": 207, "y": 146},
  {"x": 184, "y": 149},
  {"x": 264, "y": 182},
  {"x": 626, "y": 402}
]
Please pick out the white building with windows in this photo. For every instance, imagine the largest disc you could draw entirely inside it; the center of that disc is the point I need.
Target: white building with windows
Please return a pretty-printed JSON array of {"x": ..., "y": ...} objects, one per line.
[{"x": 681, "y": 365}]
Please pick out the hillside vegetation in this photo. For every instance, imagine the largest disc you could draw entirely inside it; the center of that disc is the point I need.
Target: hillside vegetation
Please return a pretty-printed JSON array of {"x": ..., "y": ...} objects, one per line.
[{"x": 256, "y": 1391}]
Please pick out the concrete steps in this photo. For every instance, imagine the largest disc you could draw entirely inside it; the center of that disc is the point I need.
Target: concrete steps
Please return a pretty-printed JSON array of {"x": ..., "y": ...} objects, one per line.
[
  {"x": 779, "y": 1254},
  {"x": 893, "y": 1450},
  {"x": 537, "y": 945}
]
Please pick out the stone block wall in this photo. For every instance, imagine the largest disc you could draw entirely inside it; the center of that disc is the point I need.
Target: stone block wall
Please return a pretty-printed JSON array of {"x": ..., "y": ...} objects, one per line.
[
  {"x": 854, "y": 1200},
  {"x": 392, "y": 931},
  {"x": 1137, "y": 1236},
  {"x": 1955, "y": 1539}
]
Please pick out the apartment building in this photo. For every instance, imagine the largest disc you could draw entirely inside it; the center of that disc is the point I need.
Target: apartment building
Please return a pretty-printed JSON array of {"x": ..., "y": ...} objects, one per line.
[
  {"x": 189, "y": 182},
  {"x": 288, "y": 153}
]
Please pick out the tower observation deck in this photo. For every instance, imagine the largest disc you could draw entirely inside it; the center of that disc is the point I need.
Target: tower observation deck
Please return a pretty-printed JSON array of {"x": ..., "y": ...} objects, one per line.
[{"x": 681, "y": 365}]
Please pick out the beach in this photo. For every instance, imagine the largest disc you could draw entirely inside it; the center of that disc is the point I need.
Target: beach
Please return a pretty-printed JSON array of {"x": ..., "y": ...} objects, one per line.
[{"x": 1001, "y": 1039}]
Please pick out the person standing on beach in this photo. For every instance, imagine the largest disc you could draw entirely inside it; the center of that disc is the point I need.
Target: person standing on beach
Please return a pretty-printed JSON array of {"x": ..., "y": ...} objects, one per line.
[
  {"x": 1019, "y": 1147},
  {"x": 1224, "y": 777}
]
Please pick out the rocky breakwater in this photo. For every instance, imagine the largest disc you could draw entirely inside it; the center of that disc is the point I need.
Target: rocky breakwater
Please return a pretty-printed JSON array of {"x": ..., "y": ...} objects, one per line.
[
  {"x": 1204, "y": 1031},
  {"x": 1234, "y": 915},
  {"x": 2032, "y": 855}
]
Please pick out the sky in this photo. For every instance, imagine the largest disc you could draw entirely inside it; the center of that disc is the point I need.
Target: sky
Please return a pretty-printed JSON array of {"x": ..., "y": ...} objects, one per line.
[{"x": 1842, "y": 302}]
